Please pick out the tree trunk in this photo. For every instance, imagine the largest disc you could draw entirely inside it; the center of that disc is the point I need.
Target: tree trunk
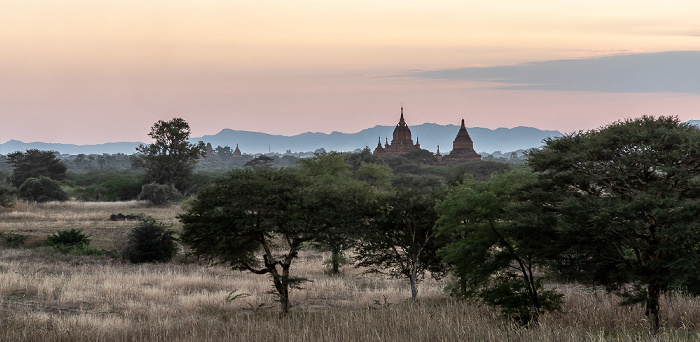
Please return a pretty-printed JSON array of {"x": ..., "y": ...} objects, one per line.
[
  {"x": 414, "y": 286},
  {"x": 652, "y": 307},
  {"x": 335, "y": 260},
  {"x": 283, "y": 291}
]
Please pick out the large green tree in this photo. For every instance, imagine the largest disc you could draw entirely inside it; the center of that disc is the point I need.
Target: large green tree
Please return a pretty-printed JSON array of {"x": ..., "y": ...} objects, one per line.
[
  {"x": 499, "y": 231},
  {"x": 171, "y": 158},
  {"x": 34, "y": 164},
  {"x": 629, "y": 194},
  {"x": 337, "y": 203},
  {"x": 250, "y": 220},
  {"x": 402, "y": 240}
]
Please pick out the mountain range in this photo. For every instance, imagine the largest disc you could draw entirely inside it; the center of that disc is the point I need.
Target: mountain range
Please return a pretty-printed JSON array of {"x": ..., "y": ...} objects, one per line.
[{"x": 428, "y": 134}]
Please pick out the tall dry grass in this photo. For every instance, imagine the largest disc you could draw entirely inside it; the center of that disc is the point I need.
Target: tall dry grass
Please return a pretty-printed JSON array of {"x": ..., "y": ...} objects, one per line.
[{"x": 47, "y": 296}]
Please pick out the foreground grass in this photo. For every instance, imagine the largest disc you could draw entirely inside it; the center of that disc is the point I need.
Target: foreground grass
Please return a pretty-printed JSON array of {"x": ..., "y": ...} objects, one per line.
[{"x": 47, "y": 296}]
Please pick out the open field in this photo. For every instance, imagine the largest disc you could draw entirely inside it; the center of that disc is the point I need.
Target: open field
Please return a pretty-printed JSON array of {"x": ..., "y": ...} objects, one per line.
[{"x": 47, "y": 296}]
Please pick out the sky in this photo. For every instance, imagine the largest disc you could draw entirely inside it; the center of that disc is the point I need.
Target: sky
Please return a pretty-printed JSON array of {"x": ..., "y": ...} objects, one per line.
[{"x": 96, "y": 71}]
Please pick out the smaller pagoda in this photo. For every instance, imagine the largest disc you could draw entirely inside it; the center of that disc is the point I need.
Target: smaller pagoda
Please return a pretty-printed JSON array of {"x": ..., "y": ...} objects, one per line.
[{"x": 462, "y": 147}]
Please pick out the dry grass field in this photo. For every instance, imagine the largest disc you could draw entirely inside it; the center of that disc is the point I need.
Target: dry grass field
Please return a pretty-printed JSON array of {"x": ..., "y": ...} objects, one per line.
[{"x": 48, "y": 296}]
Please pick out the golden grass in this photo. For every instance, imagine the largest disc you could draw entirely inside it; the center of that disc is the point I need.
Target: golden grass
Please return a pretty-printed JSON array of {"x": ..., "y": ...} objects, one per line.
[
  {"x": 46, "y": 296},
  {"x": 38, "y": 220}
]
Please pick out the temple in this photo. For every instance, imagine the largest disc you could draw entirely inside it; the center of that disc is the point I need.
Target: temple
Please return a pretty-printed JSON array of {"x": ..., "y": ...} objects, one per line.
[
  {"x": 401, "y": 143},
  {"x": 462, "y": 147}
]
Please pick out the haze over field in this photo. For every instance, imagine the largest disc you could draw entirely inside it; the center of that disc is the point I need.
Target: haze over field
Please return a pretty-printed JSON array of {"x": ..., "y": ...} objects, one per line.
[{"x": 86, "y": 72}]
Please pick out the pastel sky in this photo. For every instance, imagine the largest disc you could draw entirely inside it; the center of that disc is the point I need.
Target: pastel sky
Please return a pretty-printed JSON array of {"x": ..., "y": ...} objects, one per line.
[{"x": 95, "y": 71}]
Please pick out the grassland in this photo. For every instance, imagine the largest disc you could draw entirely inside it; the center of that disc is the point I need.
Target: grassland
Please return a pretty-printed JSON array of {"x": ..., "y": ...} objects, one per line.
[{"x": 48, "y": 296}]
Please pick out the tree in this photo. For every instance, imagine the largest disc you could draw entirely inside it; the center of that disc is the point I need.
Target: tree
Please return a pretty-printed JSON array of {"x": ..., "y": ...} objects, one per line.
[
  {"x": 42, "y": 189},
  {"x": 629, "y": 195},
  {"x": 336, "y": 203},
  {"x": 500, "y": 231},
  {"x": 33, "y": 164},
  {"x": 402, "y": 241},
  {"x": 244, "y": 219},
  {"x": 150, "y": 241},
  {"x": 171, "y": 158},
  {"x": 224, "y": 153},
  {"x": 260, "y": 162}
]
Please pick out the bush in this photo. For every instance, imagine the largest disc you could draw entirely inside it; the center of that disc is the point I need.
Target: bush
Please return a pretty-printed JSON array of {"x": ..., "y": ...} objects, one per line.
[
  {"x": 150, "y": 242},
  {"x": 42, "y": 189},
  {"x": 68, "y": 238},
  {"x": 7, "y": 195},
  {"x": 103, "y": 186},
  {"x": 159, "y": 194},
  {"x": 13, "y": 240},
  {"x": 73, "y": 241}
]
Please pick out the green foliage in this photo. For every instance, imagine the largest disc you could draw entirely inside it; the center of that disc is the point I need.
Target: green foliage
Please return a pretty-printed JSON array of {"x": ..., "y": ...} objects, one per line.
[
  {"x": 629, "y": 195},
  {"x": 7, "y": 195},
  {"x": 481, "y": 170},
  {"x": 500, "y": 231},
  {"x": 159, "y": 194},
  {"x": 34, "y": 164},
  {"x": 401, "y": 241},
  {"x": 171, "y": 158},
  {"x": 150, "y": 241},
  {"x": 13, "y": 240},
  {"x": 260, "y": 162},
  {"x": 337, "y": 203},
  {"x": 240, "y": 218},
  {"x": 107, "y": 186},
  {"x": 42, "y": 189},
  {"x": 68, "y": 238}
]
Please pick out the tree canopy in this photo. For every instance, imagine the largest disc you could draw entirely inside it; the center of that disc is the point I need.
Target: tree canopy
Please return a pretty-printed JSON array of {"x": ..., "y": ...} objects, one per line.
[
  {"x": 245, "y": 218},
  {"x": 401, "y": 240},
  {"x": 34, "y": 164},
  {"x": 629, "y": 195},
  {"x": 499, "y": 232},
  {"x": 171, "y": 158}
]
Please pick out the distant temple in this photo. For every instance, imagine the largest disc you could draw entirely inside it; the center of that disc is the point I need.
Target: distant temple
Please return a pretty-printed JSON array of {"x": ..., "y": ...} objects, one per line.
[
  {"x": 400, "y": 144},
  {"x": 237, "y": 152},
  {"x": 462, "y": 147}
]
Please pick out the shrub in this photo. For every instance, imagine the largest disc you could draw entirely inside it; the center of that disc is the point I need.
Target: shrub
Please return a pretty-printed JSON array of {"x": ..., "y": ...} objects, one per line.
[
  {"x": 42, "y": 189},
  {"x": 13, "y": 240},
  {"x": 159, "y": 194},
  {"x": 102, "y": 186},
  {"x": 73, "y": 241},
  {"x": 7, "y": 195},
  {"x": 68, "y": 238},
  {"x": 150, "y": 241}
]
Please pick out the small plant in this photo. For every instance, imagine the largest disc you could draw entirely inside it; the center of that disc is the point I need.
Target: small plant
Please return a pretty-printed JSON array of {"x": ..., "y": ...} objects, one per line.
[
  {"x": 150, "y": 241},
  {"x": 13, "y": 240},
  {"x": 69, "y": 238}
]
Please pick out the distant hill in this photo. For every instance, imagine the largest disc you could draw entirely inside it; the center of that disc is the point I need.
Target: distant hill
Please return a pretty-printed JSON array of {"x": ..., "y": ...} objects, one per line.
[
  {"x": 109, "y": 148},
  {"x": 428, "y": 134}
]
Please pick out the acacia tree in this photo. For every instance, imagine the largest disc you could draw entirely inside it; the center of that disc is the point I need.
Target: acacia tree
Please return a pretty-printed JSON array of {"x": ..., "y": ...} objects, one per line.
[
  {"x": 499, "y": 232},
  {"x": 34, "y": 164},
  {"x": 171, "y": 158},
  {"x": 402, "y": 241},
  {"x": 337, "y": 203},
  {"x": 630, "y": 197},
  {"x": 239, "y": 219}
]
